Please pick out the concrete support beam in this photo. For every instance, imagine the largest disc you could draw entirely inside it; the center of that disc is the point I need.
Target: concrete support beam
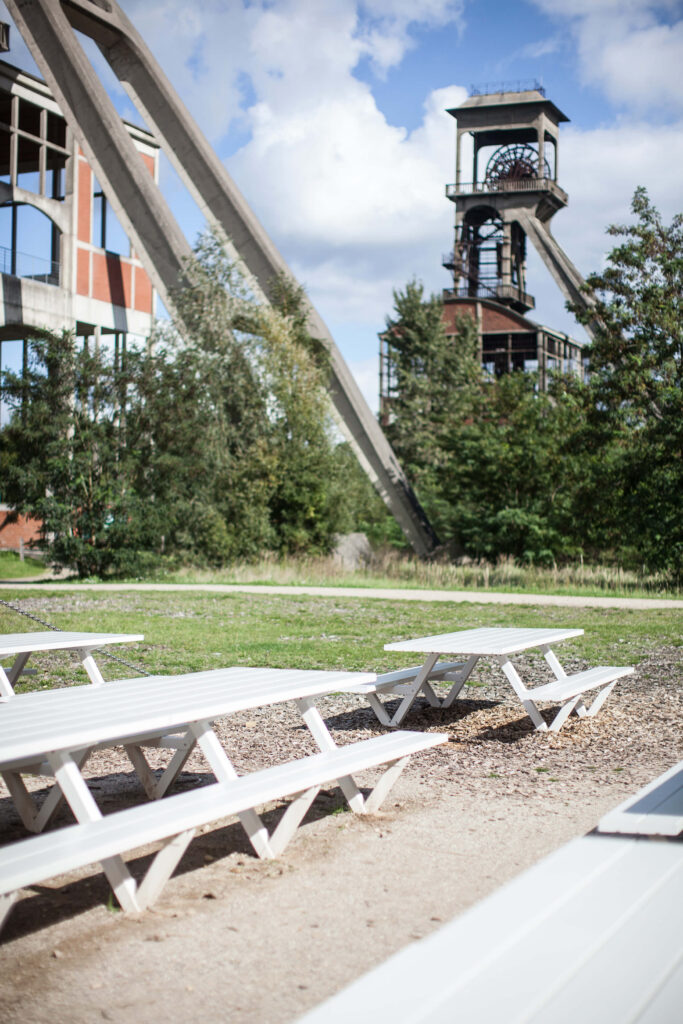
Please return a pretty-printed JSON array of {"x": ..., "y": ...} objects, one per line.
[
  {"x": 46, "y": 26},
  {"x": 565, "y": 274}
]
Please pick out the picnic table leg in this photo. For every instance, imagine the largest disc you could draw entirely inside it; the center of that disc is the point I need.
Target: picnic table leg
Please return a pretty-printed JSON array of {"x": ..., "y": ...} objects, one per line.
[
  {"x": 460, "y": 681},
  {"x": 552, "y": 660},
  {"x": 18, "y": 667},
  {"x": 90, "y": 666},
  {"x": 522, "y": 692},
  {"x": 81, "y": 802},
  {"x": 413, "y": 690},
  {"x": 223, "y": 769},
  {"x": 6, "y": 688},
  {"x": 321, "y": 734},
  {"x": 35, "y": 818}
]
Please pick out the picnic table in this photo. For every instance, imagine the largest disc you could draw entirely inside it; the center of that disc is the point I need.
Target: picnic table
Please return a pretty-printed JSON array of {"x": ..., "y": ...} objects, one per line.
[
  {"x": 499, "y": 643},
  {"x": 21, "y": 646},
  {"x": 61, "y": 725}
]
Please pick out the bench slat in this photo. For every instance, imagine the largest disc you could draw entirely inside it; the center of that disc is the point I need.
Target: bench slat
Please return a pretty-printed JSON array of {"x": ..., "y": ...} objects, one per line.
[
  {"x": 41, "y": 857},
  {"x": 570, "y": 686},
  {"x": 402, "y": 675}
]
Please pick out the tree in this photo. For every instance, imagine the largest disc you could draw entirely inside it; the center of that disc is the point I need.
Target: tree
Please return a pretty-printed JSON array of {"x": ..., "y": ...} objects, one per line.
[
  {"x": 635, "y": 397},
  {"x": 434, "y": 377},
  {"x": 212, "y": 442}
]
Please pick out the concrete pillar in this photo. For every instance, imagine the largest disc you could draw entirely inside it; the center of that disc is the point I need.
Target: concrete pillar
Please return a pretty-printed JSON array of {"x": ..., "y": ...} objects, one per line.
[
  {"x": 458, "y": 135},
  {"x": 149, "y": 223},
  {"x": 540, "y": 129}
]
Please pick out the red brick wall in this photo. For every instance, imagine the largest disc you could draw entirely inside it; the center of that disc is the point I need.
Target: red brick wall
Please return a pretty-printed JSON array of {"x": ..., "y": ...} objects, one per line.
[{"x": 12, "y": 532}]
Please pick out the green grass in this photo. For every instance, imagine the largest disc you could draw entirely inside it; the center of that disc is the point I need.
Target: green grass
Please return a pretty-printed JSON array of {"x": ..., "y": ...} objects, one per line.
[
  {"x": 12, "y": 567},
  {"x": 390, "y": 569},
  {"x": 187, "y": 632}
]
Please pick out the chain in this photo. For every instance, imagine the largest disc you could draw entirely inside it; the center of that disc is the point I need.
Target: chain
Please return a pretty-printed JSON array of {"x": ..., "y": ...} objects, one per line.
[{"x": 56, "y": 629}]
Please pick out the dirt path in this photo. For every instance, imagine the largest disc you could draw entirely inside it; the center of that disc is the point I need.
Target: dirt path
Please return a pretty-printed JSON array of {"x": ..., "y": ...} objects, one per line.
[
  {"x": 397, "y": 594},
  {"x": 246, "y": 941}
]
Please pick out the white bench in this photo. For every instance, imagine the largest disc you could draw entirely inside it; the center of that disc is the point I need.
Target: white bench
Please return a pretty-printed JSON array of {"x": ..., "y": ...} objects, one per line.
[
  {"x": 568, "y": 691},
  {"x": 655, "y": 810},
  {"x": 401, "y": 683},
  {"x": 175, "y": 818},
  {"x": 592, "y": 934}
]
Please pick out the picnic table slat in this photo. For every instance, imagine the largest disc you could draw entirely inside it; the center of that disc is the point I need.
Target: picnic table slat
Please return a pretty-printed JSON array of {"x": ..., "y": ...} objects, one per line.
[{"x": 78, "y": 717}]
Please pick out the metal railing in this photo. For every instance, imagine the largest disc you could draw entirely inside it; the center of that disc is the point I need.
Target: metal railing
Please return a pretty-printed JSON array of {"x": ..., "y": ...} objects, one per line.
[
  {"x": 495, "y": 88},
  {"x": 482, "y": 291},
  {"x": 34, "y": 268},
  {"x": 506, "y": 185}
]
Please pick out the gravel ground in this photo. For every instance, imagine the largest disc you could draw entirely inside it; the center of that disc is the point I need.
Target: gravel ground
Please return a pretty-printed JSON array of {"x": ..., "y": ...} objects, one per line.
[{"x": 266, "y": 940}]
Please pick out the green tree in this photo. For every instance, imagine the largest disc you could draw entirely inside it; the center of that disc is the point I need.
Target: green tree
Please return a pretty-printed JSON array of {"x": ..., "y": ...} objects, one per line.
[
  {"x": 434, "y": 379},
  {"x": 635, "y": 395},
  {"x": 63, "y": 458}
]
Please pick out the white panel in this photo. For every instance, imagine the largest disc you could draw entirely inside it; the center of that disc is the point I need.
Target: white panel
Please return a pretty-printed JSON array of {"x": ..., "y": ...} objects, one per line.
[{"x": 483, "y": 641}]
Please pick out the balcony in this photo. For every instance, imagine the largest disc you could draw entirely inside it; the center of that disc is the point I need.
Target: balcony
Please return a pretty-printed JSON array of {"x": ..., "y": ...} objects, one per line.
[
  {"x": 34, "y": 268},
  {"x": 547, "y": 185},
  {"x": 509, "y": 294}
]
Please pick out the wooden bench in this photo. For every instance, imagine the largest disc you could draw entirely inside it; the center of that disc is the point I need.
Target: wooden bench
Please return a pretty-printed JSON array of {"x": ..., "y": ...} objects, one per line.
[
  {"x": 175, "y": 819},
  {"x": 592, "y": 934},
  {"x": 399, "y": 683}
]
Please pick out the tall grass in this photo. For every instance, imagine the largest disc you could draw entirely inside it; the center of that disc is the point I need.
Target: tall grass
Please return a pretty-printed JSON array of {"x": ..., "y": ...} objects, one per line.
[{"x": 390, "y": 568}]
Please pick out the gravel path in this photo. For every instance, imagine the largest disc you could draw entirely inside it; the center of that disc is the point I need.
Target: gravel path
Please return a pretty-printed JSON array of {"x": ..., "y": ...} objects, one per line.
[{"x": 263, "y": 941}]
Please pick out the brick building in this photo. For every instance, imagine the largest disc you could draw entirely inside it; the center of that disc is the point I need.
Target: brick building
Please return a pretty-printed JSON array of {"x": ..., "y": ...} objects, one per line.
[{"x": 65, "y": 260}]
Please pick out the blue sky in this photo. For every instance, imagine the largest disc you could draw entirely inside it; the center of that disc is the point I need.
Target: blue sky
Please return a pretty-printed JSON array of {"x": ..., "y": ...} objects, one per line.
[{"x": 330, "y": 116}]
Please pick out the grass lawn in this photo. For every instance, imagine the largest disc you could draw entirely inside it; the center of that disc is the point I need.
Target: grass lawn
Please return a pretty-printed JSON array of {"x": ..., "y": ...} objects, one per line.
[
  {"x": 12, "y": 567},
  {"x": 192, "y": 631}
]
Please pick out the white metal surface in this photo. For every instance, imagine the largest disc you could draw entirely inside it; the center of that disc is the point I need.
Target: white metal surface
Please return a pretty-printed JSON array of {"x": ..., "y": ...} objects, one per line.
[
  {"x": 579, "y": 682},
  {"x": 22, "y": 645},
  {"x": 603, "y": 944},
  {"x": 18, "y": 643},
  {"x": 484, "y": 641},
  {"x": 655, "y": 810},
  {"x": 499, "y": 642},
  {"x": 80, "y": 717},
  {"x": 95, "y": 838}
]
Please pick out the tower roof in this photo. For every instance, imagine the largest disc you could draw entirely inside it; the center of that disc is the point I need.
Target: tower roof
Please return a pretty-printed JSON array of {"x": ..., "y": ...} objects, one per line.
[{"x": 486, "y": 110}]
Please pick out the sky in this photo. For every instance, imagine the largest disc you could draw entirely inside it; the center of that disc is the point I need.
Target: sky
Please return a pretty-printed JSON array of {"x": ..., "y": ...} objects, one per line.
[{"x": 330, "y": 115}]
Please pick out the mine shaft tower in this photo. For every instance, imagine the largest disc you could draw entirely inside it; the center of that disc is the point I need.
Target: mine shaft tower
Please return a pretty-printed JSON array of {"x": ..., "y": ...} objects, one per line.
[{"x": 509, "y": 198}]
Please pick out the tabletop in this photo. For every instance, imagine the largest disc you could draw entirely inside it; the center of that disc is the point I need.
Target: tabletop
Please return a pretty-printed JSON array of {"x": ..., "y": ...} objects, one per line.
[
  {"x": 23, "y": 643},
  {"x": 81, "y": 716},
  {"x": 484, "y": 641}
]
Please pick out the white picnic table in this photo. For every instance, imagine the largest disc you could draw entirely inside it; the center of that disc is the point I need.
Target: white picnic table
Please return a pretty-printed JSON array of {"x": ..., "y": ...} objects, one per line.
[
  {"x": 499, "y": 643},
  {"x": 21, "y": 646},
  {"x": 62, "y": 725}
]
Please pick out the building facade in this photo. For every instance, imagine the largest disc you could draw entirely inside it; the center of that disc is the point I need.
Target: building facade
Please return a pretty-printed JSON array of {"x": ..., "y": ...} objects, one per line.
[{"x": 65, "y": 261}]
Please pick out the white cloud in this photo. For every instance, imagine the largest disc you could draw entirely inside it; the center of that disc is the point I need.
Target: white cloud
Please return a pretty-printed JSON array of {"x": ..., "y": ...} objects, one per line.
[
  {"x": 600, "y": 169},
  {"x": 633, "y": 49}
]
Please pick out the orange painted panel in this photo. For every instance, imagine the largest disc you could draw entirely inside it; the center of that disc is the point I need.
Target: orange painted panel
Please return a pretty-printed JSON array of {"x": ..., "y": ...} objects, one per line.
[
  {"x": 149, "y": 162},
  {"x": 84, "y": 201},
  {"x": 143, "y": 291},
  {"x": 83, "y": 272},
  {"x": 111, "y": 279}
]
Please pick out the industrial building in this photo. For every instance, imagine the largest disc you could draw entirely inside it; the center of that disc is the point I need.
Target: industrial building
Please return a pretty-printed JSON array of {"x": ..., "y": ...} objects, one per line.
[
  {"x": 66, "y": 261},
  {"x": 507, "y": 201}
]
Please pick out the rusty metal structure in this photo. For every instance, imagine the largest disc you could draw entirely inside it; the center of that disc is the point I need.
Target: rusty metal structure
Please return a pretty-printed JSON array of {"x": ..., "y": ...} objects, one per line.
[{"x": 510, "y": 200}]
